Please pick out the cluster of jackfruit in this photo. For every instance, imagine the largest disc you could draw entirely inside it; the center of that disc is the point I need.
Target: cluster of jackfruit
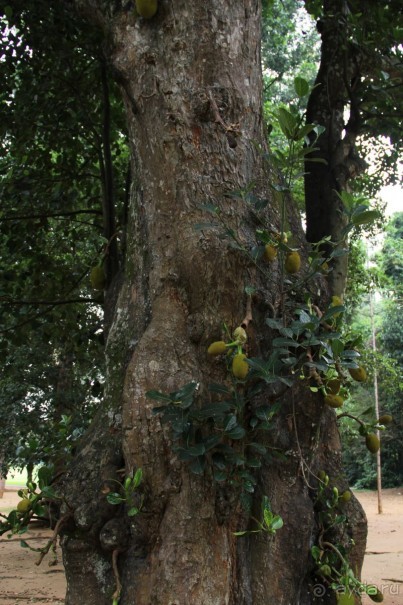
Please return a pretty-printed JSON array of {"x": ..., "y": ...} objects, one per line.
[
  {"x": 239, "y": 365},
  {"x": 334, "y": 400},
  {"x": 292, "y": 263}
]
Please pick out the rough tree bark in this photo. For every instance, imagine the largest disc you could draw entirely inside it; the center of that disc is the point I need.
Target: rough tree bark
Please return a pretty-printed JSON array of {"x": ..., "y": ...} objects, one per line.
[{"x": 191, "y": 84}]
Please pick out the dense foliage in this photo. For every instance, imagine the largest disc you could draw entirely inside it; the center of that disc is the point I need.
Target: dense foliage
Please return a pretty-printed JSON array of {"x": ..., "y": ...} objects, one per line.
[
  {"x": 387, "y": 362},
  {"x": 63, "y": 162}
]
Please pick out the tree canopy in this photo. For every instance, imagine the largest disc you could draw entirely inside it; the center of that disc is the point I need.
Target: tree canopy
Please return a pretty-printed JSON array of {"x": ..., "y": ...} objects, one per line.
[{"x": 63, "y": 176}]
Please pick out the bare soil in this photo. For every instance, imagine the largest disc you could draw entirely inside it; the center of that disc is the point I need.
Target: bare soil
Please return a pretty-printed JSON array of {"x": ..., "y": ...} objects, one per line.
[
  {"x": 383, "y": 563},
  {"x": 22, "y": 581}
]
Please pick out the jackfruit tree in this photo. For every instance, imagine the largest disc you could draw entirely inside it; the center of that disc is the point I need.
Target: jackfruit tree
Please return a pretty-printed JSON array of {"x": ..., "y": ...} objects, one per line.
[
  {"x": 238, "y": 453},
  {"x": 193, "y": 97}
]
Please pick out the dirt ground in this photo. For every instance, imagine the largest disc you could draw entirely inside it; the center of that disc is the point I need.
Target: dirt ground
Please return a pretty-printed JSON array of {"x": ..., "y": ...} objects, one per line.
[
  {"x": 21, "y": 581},
  {"x": 383, "y": 563}
]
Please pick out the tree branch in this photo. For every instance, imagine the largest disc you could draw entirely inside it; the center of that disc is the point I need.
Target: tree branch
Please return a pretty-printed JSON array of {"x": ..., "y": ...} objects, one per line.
[
  {"x": 22, "y": 217},
  {"x": 52, "y": 303}
]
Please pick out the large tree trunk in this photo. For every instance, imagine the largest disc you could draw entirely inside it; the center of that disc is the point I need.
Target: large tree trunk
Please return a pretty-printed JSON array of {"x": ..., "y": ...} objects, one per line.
[{"x": 191, "y": 83}]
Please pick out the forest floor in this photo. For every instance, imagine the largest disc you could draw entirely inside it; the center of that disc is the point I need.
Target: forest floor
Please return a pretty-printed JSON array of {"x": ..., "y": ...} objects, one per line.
[{"x": 21, "y": 581}]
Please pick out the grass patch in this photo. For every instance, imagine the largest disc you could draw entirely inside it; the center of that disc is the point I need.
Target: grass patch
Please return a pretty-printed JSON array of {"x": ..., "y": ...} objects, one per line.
[{"x": 16, "y": 477}]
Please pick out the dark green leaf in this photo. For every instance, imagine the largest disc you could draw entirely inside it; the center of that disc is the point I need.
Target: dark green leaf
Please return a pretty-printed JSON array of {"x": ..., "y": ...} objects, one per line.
[
  {"x": 196, "y": 450},
  {"x": 248, "y": 486},
  {"x": 213, "y": 410},
  {"x": 366, "y": 217},
  {"x": 218, "y": 388},
  {"x": 236, "y": 433},
  {"x": 133, "y": 511},
  {"x": 285, "y": 342},
  {"x": 157, "y": 396},
  {"x": 232, "y": 422},
  {"x": 48, "y": 492},
  {"x": 219, "y": 475},
  {"x": 316, "y": 553},
  {"x": 287, "y": 122},
  {"x": 302, "y": 133},
  {"x": 337, "y": 347},
  {"x": 332, "y": 311},
  {"x": 219, "y": 461},
  {"x": 263, "y": 412},
  {"x": 350, "y": 354},
  {"x": 275, "y": 324},
  {"x": 287, "y": 381},
  {"x": 301, "y": 87},
  {"x": 258, "y": 447},
  {"x": 253, "y": 462},
  {"x": 186, "y": 391},
  {"x": 277, "y": 523},
  {"x": 198, "y": 465},
  {"x": 114, "y": 498},
  {"x": 138, "y": 477},
  {"x": 210, "y": 442},
  {"x": 45, "y": 476}
]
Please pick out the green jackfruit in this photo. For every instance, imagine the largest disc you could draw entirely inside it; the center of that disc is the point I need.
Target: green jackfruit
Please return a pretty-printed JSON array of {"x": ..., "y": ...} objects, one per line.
[
  {"x": 23, "y": 505},
  {"x": 372, "y": 442},
  {"x": 97, "y": 277},
  {"x": 146, "y": 8},
  {"x": 292, "y": 262},
  {"x": 335, "y": 401},
  {"x": 333, "y": 386},
  {"x": 358, "y": 374},
  {"x": 240, "y": 335},
  {"x": 217, "y": 348},
  {"x": 345, "y": 496},
  {"x": 240, "y": 367},
  {"x": 270, "y": 253}
]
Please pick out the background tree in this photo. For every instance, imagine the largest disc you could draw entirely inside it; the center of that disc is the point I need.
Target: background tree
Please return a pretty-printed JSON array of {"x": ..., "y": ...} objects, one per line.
[
  {"x": 193, "y": 99},
  {"x": 390, "y": 339},
  {"x": 387, "y": 362},
  {"x": 360, "y": 73},
  {"x": 290, "y": 47},
  {"x": 62, "y": 182}
]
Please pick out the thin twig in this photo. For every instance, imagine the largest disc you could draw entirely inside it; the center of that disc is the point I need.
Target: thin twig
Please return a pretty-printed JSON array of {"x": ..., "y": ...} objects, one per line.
[
  {"x": 313, "y": 373},
  {"x": 248, "y": 316},
  {"x": 347, "y": 415},
  {"x": 218, "y": 118},
  {"x": 303, "y": 463},
  {"x": 53, "y": 539},
  {"x": 54, "y": 303},
  {"x": 115, "y": 555}
]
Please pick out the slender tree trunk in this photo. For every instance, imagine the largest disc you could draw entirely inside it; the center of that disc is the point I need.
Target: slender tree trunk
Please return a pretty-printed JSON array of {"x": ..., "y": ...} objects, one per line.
[
  {"x": 334, "y": 94},
  {"x": 191, "y": 84}
]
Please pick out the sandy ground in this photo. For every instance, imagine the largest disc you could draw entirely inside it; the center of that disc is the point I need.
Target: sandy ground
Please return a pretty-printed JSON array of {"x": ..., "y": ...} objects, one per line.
[
  {"x": 21, "y": 581},
  {"x": 383, "y": 563}
]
